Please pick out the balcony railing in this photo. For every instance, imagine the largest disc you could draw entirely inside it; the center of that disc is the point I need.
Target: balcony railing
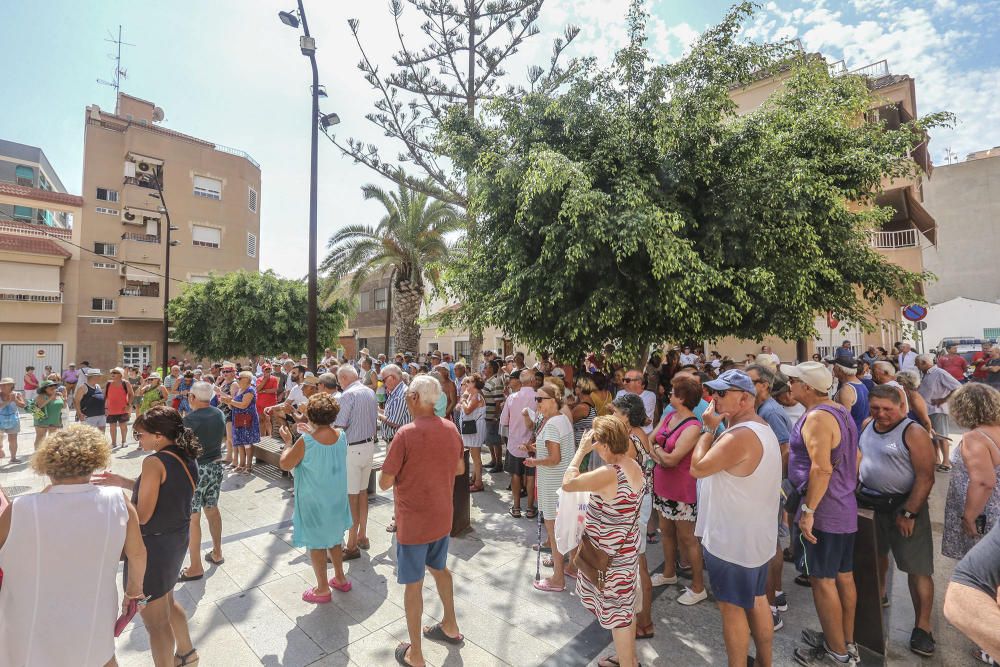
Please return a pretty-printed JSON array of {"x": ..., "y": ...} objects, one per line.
[
  {"x": 153, "y": 289},
  {"x": 143, "y": 238},
  {"x": 905, "y": 238},
  {"x": 33, "y": 229},
  {"x": 29, "y": 296},
  {"x": 874, "y": 71},
  {"x": 238, "y": 153}
]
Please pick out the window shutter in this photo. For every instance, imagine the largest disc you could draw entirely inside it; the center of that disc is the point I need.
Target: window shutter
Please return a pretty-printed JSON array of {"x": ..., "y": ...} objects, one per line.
[
  {"x": 251, "y": 245},
  {"x": 206, "y": 236},
  {"x": 208, "y": 187},
  {"x": 252, "y": 200}
]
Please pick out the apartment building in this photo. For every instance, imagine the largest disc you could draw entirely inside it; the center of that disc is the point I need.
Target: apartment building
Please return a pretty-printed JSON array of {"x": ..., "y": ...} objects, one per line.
[
  {"x": 38, "y": 263},
  {"x": 902, "y": 240},
  {"x": 136, "y": 171}
]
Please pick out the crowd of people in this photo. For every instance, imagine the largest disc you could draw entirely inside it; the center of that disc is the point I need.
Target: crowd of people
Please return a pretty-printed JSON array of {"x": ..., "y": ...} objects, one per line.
[{"x": 735, "y": 469}]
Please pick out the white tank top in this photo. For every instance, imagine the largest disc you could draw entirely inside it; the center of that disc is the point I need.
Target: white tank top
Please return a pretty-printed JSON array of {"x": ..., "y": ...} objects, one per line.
[
  {"x": 737, "y": 516},
  {"x": 59, "y": 599}
]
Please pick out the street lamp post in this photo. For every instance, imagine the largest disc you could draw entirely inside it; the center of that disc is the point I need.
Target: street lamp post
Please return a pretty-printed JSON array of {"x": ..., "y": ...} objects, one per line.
[{"x": 308, "y": 47}]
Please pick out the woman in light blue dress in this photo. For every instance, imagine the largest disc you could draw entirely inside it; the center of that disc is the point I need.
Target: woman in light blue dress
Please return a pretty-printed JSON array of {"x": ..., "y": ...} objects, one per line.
[{"x": 322, "y": 513}]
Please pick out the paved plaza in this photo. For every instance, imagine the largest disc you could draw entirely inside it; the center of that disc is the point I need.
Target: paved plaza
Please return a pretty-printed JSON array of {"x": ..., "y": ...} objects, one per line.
[{"x": 249, "y": 611}]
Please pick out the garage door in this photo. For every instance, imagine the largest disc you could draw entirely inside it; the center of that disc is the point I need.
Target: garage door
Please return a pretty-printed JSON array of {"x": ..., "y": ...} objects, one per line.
[{"x": 15, "y": 357}]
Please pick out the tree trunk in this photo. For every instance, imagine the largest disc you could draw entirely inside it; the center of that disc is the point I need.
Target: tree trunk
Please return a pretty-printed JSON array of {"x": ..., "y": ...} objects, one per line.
[{"x": 408, "y": 297}]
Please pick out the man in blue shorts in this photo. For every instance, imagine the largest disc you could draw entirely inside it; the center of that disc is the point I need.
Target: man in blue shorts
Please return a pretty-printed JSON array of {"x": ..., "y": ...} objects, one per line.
[{"x": 417, "y": 470}]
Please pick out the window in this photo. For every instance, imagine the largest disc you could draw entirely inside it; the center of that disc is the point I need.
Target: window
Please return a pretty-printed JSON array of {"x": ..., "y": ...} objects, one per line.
[
  {"x": 364, "y": 303},
  {"x": 42, "y": 183},
  {"x": 210, "y": 188},
  {"x": 107, "y": 249},
  {"x": 197, "y": 279},
  {"x": 24, "y": 175},
  {"x": 23, "y": 212},
  {"x": 105, "y": 265},
  {"x": 102, "y": 320},
  {"x": 251, "y": 245},
  {"x": 433, "y": 347},
  {"x": 107, "y": 211},
  {"x": 252, "y": 200},
  {"x": 381, "y": 298},
  {"x": 991, "y": 333},
  {"x": 208, "y": 237},
  {"x": 362, "y": 343},
  {"x": 462, "y": 350},
  {"x": 107, "y": 195},
  {"x": 136, "y": 355},
  {"x": 102, "y": 304}
]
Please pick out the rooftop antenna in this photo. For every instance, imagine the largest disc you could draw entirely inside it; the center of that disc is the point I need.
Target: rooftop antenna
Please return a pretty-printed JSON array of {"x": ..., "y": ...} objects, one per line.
[
  {"x": 120, "y": 72},
  {"x": 950, "y": 156}
]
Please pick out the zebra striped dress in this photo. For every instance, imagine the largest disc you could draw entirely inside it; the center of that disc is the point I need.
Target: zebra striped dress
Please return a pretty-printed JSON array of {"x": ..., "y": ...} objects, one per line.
[{"x": 613, "y": 528}]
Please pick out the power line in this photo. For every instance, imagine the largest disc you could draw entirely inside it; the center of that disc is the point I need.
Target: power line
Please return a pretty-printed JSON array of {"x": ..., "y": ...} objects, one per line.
[{"x": 41, "y": 232}]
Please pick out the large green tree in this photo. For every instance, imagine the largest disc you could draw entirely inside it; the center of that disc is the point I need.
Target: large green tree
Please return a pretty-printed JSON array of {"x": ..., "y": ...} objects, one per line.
[
  {"x": 636, "y": 205},
  {"x": 410, "y": 242},
  {"x": 243, "y": 314}
]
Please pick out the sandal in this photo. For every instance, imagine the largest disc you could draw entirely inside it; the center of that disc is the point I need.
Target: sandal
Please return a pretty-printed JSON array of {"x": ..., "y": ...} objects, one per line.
[
  {"x": 351, "y": 554},
  {"x": 531, "y": 514},
  {"x": 982, "y": 656},
  {"x": 546, "y": 587},
  {"x": 475, "y": 488},
  {"x": 343, "y": 588},
  {"x": 186, "y": 659},
  {"x": 943, "y": 468},
  {"x": 803, "y": 580},
  {"x": 648, "y": 634},
  {"x": 184, "y": 576},
  {"x": 652, "y": 538},
  {"x": 547, "y": 561},
  {"x": 310, "y": 595},
  {"x": 400, "y": 655},
  {"x": 515, "y": 512},
  {"x": 391, "y": 528},
  {"x": 364, "y": 543},
  {"x": 609, "y": 661},
  {"x": 208, "y": 557},
  {"x": 437, "y": 632}
]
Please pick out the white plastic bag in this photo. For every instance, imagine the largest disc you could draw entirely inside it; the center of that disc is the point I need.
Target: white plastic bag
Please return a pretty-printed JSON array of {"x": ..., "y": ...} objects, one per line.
[{"x": 570, "y": 514}]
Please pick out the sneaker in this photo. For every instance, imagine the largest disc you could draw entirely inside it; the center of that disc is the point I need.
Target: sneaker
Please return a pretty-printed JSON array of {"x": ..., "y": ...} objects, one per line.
[
  {"x": 780, "y": 601},
  {"x": 922, "y": 642},
  {"x": 885, "y": 601},
  {"x": 812, "y": 656},
  {"x": 689, "y": 597},
  {"x": 778, "y": 623},
  {"x": 659, "y": 580},
  {"x": 815, "y": 639}
]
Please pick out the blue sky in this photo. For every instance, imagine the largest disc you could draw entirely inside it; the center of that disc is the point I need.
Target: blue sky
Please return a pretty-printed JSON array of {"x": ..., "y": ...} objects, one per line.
[{"x": 230, "y": 72}]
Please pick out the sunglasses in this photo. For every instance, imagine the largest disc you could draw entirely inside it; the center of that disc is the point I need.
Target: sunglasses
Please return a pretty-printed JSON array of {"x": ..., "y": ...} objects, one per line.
[
  {"x": 720, "y": 393},
  {"x": 633, "y": 379},
  {"x": 539, "y": 399}
]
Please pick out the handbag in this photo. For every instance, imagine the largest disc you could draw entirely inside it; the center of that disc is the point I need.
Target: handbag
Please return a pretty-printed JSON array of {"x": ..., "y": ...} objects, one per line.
[
  {"x": 243, "y": 420},
  {"x": 791, "y": 496},
  {"x": 570, "y": 515},
  {"x": 469, "y": 427},
  {"x": 592, "y": 561}
]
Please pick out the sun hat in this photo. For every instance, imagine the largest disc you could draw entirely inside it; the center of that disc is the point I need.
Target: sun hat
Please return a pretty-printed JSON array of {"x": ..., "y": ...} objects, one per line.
[
  {"x": 813, "y": 373},
  {"x": 733, "y": 379},
  {"x": 7, "y": 381},
  {"x": 45, "y": 384}
]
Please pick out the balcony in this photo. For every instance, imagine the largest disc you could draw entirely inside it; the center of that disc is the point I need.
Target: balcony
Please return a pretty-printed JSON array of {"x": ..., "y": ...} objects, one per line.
[
  {"x": 904, "y": 238},
  {"x": 142, "y": 238},
  {"x": 152, "y": 289},
  {"x": 140, "y": 307},
  {"x": 31, "y": 307}
]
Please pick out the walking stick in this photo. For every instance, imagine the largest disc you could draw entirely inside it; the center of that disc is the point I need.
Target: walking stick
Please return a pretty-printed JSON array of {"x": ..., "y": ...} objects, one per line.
[{"x": 538, "y": 556}]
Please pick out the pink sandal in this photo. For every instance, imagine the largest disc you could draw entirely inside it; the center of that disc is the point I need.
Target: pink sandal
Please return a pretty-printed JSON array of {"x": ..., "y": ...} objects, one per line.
[
  {"x": 545, "y": 586},
  {"x": 310, "y": 595},
  {"x": 343, "y": 588}
]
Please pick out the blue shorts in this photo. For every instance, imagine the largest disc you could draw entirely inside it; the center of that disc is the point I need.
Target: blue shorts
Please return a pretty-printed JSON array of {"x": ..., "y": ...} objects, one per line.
[
  {"x": 492, "y": 433},
  {"x": 411, "y": 559},
  {"x": 832, "y": 554},
  {"x": 735, "y": 584}
]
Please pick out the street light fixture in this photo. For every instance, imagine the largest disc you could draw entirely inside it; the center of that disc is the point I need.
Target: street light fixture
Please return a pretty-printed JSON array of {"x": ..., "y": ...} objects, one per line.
[{"x": 307, "y": 45}]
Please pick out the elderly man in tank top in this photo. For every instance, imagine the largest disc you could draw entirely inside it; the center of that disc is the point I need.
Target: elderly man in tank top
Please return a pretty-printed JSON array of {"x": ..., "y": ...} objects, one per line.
[
  {"x": 741, "y": 478},
  {"x": 897, "y": 471},
  {"x": 822, "y": 466}
]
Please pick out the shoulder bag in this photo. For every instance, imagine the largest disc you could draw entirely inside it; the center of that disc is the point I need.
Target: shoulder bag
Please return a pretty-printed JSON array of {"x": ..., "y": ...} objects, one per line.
[{"x": 592, "y": 561}]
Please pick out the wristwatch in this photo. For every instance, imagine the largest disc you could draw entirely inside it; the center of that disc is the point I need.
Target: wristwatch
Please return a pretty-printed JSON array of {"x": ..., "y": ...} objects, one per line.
[
  {"x": 705, "y": 429},
  {"x": 805, "y": 509},
  {"x": 907, "y": 514}
]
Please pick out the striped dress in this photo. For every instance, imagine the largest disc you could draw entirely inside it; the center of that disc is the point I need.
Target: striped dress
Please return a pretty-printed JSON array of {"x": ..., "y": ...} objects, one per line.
[{"x": 613, "y": 528}]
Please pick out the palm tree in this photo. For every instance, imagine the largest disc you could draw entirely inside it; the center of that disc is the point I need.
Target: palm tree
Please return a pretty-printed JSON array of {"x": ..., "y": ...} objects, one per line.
[{"x": 409, "y": 242}]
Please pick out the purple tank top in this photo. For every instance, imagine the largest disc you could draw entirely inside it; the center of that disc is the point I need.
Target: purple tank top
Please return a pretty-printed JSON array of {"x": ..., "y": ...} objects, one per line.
[{"x": 838, "y": 510}]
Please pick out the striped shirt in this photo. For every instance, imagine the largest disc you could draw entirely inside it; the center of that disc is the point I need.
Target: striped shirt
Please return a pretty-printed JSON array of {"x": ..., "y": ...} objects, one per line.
[
  {"x": 358, "y": 414},
  {"x": 493, "y": 394},
  {"x": 395, "y": 411}
]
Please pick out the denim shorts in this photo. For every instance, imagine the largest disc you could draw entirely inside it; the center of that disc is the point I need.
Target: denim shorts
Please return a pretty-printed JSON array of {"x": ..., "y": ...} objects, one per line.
[
  {"x": 412, "y": 559},
  {"x": 492, "y": 436}
]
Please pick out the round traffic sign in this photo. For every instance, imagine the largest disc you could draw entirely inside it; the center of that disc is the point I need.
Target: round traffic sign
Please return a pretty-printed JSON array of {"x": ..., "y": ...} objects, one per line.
[
  {"x": 40, "y": 353},
  {"x": 920, "y": 326},
  {"x": 831, "y": 321},
  {"x": 915, "y": 313}
]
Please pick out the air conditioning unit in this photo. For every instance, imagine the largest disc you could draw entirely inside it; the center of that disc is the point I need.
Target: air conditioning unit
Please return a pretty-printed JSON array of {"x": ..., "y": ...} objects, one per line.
[
  {"x": 130, "y": 218},
  {"x": 129, "y": 169},
  {"x": 121, "y": 270},
  {"x": 145, "y": 169}
]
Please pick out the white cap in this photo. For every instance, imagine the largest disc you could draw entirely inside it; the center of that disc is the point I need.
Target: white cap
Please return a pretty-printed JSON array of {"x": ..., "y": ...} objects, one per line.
[{"x": 813, "y": 373}]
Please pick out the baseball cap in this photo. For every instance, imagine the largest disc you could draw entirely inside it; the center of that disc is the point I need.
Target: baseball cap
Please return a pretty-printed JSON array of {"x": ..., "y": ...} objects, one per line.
[
  {"x": 310, "y": 380},
  {"x": 846, "y": 363},
  {"x": 558, "y": 372},
  {"x": 780, "y": 385},
  {"x": 813, "y": 373},
  {"x": 733, "y": 379}
]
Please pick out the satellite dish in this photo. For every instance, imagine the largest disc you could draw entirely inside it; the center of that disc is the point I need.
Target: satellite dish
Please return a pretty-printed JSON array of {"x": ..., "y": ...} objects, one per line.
[{"x": 157, "y": 114}]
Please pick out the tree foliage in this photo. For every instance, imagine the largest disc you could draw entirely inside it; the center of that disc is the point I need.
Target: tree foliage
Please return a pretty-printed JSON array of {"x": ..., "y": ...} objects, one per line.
[
  {"x": 636, "y": 205},
  {"x": 243, "y": 314},
  {"x": 410, "y": 242}
]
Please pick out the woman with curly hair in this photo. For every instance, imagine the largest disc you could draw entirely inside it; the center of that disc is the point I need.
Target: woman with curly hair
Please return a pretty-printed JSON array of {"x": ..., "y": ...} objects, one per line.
[
  {"x": 162, "y": 495},
  {"x": 322, "y": 512},
  {"x": 39, "y": 530}
]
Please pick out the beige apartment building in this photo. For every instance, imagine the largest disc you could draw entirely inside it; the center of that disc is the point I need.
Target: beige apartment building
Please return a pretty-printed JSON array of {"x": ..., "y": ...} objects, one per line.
[
  {"x": 212, "y": 194},
  {"x": 902, "y": 240}
]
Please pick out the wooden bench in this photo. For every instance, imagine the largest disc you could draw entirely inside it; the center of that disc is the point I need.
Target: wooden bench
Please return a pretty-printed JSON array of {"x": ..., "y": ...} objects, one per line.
[{"x": 268, "y": 450}]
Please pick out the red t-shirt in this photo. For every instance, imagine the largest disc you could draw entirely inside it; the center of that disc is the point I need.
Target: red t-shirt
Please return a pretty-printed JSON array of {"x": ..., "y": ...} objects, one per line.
[
  {"x": 979, "y": 360},
  {"x": 954, "y": 364},
  {"x": 266, "y": 400},
  {"x": 422, "y": 458}
]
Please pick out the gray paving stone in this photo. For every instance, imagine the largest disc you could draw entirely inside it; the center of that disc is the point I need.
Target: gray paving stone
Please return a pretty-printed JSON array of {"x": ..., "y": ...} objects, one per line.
[
  {"x": 273, "y": 636},
  {"x": 326, "y": 624}
]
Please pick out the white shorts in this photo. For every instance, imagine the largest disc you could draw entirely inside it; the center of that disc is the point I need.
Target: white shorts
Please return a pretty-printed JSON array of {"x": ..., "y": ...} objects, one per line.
[
  {"x": 359, "y": 466},
  {"x": 645, "y": 512},
  {"x": 100, "y": 421}
]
